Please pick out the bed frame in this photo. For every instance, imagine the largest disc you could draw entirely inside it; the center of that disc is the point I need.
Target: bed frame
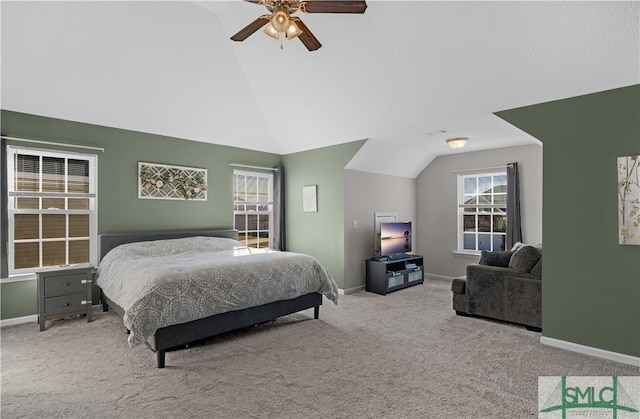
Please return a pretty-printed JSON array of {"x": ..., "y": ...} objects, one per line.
[{"x": 177, "y": 336}]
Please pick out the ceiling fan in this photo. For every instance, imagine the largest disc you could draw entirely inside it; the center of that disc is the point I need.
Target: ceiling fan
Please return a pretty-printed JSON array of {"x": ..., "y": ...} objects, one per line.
[{"x": 279, "y": 20}]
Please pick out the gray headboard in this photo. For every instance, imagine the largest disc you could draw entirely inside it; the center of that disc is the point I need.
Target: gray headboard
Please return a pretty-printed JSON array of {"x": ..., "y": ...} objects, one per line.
[{"x": 109, "y": 241}]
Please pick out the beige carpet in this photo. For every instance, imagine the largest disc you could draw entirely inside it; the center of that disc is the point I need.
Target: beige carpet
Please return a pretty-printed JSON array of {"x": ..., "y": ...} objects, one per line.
[{"x": 406, "y": 355}]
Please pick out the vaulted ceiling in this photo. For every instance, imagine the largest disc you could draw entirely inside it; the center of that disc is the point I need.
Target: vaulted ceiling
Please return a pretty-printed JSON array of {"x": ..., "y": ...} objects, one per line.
[{"x": 406, "y": 75}]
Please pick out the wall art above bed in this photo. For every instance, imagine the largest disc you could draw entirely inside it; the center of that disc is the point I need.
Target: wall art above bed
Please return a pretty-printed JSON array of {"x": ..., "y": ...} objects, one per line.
[{"x": 161, "y": 181}]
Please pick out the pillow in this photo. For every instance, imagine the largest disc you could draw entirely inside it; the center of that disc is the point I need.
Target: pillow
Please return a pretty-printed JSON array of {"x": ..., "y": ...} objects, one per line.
[
  {"x": 517, "y": 246},
  {"x": 167, "y": 247},
  {"x": 525, "y": 258},
  {"x": 495, "y": 258}
]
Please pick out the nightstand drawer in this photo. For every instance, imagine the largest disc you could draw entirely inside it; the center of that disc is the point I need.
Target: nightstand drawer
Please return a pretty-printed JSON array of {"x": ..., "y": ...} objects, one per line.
[
  {"x": 64, "y": 292},
  {"x": 65, "y": 284},
  {"x": 65, "y": 303}
]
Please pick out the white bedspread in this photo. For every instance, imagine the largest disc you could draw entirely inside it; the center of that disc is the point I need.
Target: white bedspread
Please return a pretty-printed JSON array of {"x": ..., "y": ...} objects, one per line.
[{"x": 167, "y": 282}]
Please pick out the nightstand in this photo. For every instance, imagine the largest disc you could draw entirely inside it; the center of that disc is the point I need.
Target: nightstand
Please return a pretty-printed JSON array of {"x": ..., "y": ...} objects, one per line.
[{"x": 64, "y": 292}]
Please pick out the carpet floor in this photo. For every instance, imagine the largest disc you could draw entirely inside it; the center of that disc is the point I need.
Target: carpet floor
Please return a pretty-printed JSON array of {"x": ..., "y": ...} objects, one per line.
[{"x": 404, "y": 355}]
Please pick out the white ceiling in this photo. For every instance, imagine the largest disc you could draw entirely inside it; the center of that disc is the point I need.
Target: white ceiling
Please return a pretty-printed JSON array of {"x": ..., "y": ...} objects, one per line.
[{"x": 398, "y": 75}]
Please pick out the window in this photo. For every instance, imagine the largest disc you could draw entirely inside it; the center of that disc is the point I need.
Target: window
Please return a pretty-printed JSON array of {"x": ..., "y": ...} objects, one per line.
[
  {"x": 253, "y": 207},
  {"x": 52, "y": 209},
  {"x": 482, "y": 202}
]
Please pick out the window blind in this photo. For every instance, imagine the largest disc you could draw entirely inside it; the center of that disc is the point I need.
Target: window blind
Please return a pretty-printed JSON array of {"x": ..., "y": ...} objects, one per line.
[{"x": 52, "y": 203}]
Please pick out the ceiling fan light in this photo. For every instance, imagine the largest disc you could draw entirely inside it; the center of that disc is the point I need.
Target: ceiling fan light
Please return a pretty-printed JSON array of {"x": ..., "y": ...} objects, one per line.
[
  {"x": 292, "y": 31},
  {"x": 457, "y": 142},
  {"x": 271, "y": 31},
  {"x": 280, "y": 19}
]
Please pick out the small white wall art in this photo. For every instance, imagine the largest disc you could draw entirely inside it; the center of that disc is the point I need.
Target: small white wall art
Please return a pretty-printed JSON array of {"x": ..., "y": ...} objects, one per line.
[
  {"x": 161, "y": 181},
  {"x": 310, "y": 198},
  {"x": 629, "y": 200}
]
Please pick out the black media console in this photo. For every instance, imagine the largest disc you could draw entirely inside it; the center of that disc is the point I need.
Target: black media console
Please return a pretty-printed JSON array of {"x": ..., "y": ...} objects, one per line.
[{"x": 388, "y": 275}]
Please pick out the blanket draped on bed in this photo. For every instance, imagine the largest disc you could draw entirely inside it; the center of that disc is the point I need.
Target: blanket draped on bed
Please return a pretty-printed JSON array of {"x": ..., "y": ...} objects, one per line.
[{"x": 166, "y": 282}]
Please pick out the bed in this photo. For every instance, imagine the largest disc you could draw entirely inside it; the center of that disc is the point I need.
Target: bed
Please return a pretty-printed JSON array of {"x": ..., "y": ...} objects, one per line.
[{"x": 176, "y": 288}]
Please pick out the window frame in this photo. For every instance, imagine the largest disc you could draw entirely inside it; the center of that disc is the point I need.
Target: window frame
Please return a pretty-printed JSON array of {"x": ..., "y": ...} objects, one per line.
[
  {"x": 462, "y": 206},
  {"x": 270, "y": 206},
  {"x": 12, "y": 195}
]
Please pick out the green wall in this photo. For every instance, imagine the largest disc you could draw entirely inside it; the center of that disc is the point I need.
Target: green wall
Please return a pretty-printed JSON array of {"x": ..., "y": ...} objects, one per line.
[
  {"x": 591, "y": 284},
  {"x": 119, "y": 208},
  {"x": 320, "y": 234},
  {"x": 18, "y": 299}
]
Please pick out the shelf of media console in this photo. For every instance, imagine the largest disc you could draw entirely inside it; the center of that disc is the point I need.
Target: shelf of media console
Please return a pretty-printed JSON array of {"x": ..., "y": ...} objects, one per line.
[{"x": 385, "y": 275}]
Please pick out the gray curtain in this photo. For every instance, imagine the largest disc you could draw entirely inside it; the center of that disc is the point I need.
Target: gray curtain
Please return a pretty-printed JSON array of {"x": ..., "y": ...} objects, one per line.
[
  {"x": 514, "y": 229},
  {"x": 279, "y": 239}
]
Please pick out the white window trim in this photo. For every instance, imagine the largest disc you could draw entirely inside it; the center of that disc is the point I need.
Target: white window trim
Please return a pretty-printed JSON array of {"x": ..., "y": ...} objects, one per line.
[
  {"x": 270, "y": 202},
  {"x": 461, "y": 251},
  {"x": 27, "y": 274}
]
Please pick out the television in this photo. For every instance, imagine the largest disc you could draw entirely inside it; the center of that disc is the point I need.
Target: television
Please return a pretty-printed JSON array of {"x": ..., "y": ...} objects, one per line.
[{"x": 395, "y": 238}]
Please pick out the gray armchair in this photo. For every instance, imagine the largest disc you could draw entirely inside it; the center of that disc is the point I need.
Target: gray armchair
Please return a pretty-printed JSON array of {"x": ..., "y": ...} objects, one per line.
[{"x": 505, "y": 286}]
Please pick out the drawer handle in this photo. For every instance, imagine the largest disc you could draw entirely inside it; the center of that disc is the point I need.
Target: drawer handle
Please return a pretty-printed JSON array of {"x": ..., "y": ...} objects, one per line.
[
  {"x": 86, "y": 281},
  {"x": 67, "y": 304},
  {"x": 83, "y": 302},
  {"x": 66, "y": 284}
]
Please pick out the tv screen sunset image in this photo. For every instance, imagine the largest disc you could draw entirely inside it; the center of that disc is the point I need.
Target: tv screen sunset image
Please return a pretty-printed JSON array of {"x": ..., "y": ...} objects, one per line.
[{"x": 395, "y": 238}]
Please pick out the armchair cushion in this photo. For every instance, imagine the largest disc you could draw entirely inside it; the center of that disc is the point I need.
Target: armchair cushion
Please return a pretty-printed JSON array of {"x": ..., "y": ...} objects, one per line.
[
  {"x": 495, "y": 258},
  {"x": 537, "y": 269},
  {"x": 524, "y": 259}
]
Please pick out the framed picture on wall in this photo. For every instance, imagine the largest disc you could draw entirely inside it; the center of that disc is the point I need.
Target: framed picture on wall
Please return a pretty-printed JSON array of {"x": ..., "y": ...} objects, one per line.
[
  {"x": 310, "y": 198},
  {"x": 161, "y": 181},
  {"x": 629, "y": 200}
]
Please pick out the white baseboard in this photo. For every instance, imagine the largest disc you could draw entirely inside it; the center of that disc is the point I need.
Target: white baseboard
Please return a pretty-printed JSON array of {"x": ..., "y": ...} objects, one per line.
[
  {"x": 33, "y": 318},
  {"x": 350, "y": 290},
  {"x": 439, "y": 277},
  {"x": 588, "y": 350},
  {"x": 426, "y": 276}
]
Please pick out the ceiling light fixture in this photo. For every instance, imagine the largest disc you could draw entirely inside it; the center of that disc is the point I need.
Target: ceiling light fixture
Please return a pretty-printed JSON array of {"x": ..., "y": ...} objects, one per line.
[
  {"x": 457, "y": 142},
  {"x": 280, "y": 18},
  {"x": 281, "y": 22},
  {"x": 271, "y": 31},
  {"x": 293, "y": 30}
]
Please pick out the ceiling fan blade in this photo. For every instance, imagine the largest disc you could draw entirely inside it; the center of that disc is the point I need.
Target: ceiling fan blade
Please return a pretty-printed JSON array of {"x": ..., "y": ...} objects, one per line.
[
  {"x": 307, "y": 38},
  {"x": 251, "y": 28},
  {"x": 253, "y": 1},
  {"x": 333, "y": 6}
]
